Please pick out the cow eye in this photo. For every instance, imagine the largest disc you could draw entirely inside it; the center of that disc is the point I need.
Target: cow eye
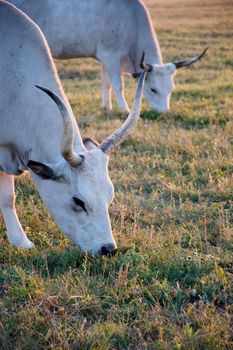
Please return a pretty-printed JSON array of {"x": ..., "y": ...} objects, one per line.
[
  {"x": 79, "y": 203},
  {"x": 154, "y": 91}
]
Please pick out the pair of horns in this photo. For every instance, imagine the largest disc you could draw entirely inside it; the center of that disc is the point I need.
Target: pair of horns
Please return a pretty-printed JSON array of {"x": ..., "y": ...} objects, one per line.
[
  {"x": 116, "y": 138},
  {"x": 179, "y": 64}
]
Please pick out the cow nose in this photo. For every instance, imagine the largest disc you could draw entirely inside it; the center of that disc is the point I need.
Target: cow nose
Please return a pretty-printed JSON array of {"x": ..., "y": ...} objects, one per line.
[
  {"x": 108, "y": 249},
  {"x": 162, "y": 110}
]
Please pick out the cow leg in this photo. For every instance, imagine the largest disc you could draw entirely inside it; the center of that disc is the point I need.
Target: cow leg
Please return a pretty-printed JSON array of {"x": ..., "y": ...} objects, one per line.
[
  {"x": 107, "y": 90},
  {"x": 113, "y": 70},
  {"x": 15, "y": 232}
]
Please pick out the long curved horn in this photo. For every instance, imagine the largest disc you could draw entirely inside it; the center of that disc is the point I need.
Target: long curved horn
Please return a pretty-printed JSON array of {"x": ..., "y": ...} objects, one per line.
[
  {"x": 184, "y": 63},
  {"x": 120, "y": 134},
  {"x": 145, "y": 66},
  {"x": 68, "y": 134}
]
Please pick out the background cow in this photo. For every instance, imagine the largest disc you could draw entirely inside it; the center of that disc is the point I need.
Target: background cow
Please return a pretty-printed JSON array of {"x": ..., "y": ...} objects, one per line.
[{"x": 115, "y": 32}]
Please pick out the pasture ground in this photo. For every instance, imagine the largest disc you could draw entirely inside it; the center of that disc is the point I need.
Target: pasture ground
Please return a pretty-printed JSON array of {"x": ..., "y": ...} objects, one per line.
[{"x": 170, "y": 285}]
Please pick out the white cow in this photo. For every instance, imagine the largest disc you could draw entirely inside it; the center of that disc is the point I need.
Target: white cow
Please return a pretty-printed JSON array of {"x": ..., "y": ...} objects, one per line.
[
  {"x": 115, "y": 32},
  {"x": 71, "y": 176}
]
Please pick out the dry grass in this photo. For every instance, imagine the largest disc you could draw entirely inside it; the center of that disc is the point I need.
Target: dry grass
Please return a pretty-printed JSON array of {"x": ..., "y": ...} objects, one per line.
[{"x": 170, "y": 285}]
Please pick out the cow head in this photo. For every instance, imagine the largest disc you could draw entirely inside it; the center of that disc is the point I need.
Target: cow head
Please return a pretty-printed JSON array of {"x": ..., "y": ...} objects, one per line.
[
  {"x": 160, "y": 82},
  {"x": 77, "y": 190}
]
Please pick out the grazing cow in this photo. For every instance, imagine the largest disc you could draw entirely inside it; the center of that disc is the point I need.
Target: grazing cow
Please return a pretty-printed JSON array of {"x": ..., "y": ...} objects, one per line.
[
  {"x": 115, "y": 32},
  {"x": 71, "y": 176}
]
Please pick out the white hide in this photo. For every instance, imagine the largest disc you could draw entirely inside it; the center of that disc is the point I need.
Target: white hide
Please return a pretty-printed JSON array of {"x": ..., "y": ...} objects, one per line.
[
  {"x": 159, "y": 86},
  {"x": 90, "y": 229},
  {"x": 31, "y": 130},
  {"x": 115, "y": 32}
]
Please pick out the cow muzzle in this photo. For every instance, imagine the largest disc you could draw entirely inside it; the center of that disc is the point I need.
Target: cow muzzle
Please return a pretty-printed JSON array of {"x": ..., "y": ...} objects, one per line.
[{"x": 108, "y": 250}]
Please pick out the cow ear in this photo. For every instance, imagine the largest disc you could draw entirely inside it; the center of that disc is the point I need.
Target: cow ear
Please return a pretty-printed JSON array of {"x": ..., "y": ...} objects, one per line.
[
  {"x": 90, "y": 144},
  {"x": 42, "y": 170}
]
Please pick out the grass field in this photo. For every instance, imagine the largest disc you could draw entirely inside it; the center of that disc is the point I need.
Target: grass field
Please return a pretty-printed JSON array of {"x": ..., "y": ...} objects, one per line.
[{"x": 170, "y": 285}]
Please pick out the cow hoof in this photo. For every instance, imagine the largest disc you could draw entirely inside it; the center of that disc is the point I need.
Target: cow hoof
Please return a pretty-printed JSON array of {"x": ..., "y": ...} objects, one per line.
[
  {"x": 25, "y": 243},
  {"x": 28, "y": 244},
  {"x": 107, "y": 108},
  {"x": 124, "y": 109}
]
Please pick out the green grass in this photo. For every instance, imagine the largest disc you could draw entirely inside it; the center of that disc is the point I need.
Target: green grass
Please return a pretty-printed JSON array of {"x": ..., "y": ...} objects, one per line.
[{"x": 170, "y": 285}]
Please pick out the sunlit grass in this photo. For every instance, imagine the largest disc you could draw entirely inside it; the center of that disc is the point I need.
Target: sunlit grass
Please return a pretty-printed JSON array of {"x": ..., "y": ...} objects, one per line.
[{"x": 170, "y": 285}]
